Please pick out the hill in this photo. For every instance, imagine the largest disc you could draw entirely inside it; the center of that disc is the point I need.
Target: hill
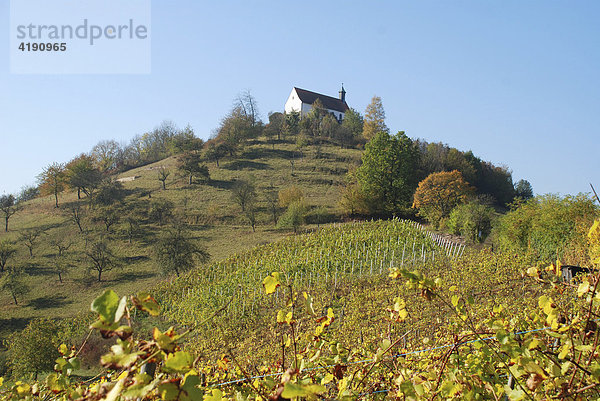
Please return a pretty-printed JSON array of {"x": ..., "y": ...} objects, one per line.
[{"x": 214, "y": 218}]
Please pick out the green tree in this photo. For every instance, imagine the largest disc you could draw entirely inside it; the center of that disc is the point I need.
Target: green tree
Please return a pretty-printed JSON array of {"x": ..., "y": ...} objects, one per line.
[
  {"x": 8, "y": 207},
  {"x": 274, "y": 127},
  {"x": 192, "y": 165},
  {"x": 177, "y": 251},
  {"x": 13, "y": 282},
  {"x": 109, "y": 192},
  {"x": 439, "y": 193},
  {"x": 61, "y": 260},
  {"x": 34, "y": 350},
  {"x": 215, "y": 151},
  {"x": 81, "y": 174},
  {"x": 160, "y": 210},
  {"x": 374, "y": 121},
  {"x": 294, "y": 216},
  {"x": 472, "y": 220},
  {"x": 387, "y": 176},
  {"x": 7, "y": 251},
  {"x": 523, "y": 190}
]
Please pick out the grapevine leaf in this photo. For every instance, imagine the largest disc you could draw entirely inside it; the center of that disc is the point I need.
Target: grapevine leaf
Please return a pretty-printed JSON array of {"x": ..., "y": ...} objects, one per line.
[
  {"x": 106, "y": 306},
  {"x": 179, "y": 362},
  {"x": 272, "y": 282},
  {"x": 293, "y": 390}
]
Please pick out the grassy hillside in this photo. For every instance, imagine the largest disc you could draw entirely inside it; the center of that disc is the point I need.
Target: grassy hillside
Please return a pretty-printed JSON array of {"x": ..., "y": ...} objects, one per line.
[{"x": 216, "y": 223}]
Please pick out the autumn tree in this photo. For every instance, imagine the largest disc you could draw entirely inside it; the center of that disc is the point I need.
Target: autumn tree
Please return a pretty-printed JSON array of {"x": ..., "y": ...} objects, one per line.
[
  {"x": 176, "y": 251},
  {"x": 387, "y": 178},
  {"x": 52, "y": 180},
  {"x": 8, "y": 207},
  {"x": 439, "y": 193},
  {"x": 374, "y": 121}
]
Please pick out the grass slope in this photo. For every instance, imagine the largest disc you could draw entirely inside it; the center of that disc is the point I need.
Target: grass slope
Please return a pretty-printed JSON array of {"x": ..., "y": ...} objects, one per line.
[{"x": 216, "y": 221}]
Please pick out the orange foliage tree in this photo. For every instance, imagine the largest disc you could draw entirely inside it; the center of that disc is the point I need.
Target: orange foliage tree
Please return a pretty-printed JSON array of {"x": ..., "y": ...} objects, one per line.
[{"x": 439, "y": 193}]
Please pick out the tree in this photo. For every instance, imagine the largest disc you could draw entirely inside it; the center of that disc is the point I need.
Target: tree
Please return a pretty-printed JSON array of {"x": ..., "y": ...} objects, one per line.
[
  {"x": 523, "y": 190},
  {"x": 108, "y": 215},
  {"x": 243, "y": 193},
  {"x": 176, "y": 251},
  {"x": 274, "y": 127},
  {"x": 34, "y": 350},
  {"x": 294, "y": 216},
  {"x": 101, "y": 257},
  {"x": 52, "y": 180},
  {"x": 8, "y": 207},
  {"x": 387, "y": 176},
  {"x": 352, "y": 199},
  {"x": 76, "y": 215},
  {"x": 272, "y": 199},
  {"x": 160, "y": 210},
  {"x": 192, "y": 165},
  {"x": 7, "y": 251},
  {"x": 12, "y": 281},
  {"x": 374, "y": 121},
  {"x": 30, "y": 237},
  {"x": 215, "y": 151},
  {"x": 291, "y": 125},
  {"x": 27, "y": 193},
  {"x": 240, "y": 124},
  {"x": 163, "y": 174},
  {"x": 109, "y": 192},
  {"x": 61, "y": 263},
  {"x": 353, "y": 122},
  {"x": 107, "y": 155},
  {"x": 472, "y": 220},
  {"x": 81, "y": 174},
  {"x": 439, "y": 193}
]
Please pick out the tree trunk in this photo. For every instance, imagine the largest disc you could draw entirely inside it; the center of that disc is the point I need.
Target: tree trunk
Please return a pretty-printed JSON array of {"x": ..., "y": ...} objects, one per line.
[
  {"x": 15, "y": 298},
  {"x": 56, "y": 199},
  {"x": 99, "y": 275},
  {"x": 78, "y": 193},
  {"x": 6, "y": 224},
  {"x": 164, "y": 186},
  {"x": 190, "y": 180},
  {"x": 59, "y": 277}
]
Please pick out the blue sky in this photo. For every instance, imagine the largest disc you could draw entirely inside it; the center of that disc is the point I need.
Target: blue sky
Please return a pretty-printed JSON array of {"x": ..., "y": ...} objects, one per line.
[{"x": 516, "y": 82}]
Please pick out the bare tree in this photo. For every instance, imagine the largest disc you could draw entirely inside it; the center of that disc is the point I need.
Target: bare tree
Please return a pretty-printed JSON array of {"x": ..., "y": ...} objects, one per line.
[
  {"x": 163, "y": 174},
  {"x": 243, "y": 193},
  {"x": 102, "y": 257},
  {"x": 30, "y": 237}
]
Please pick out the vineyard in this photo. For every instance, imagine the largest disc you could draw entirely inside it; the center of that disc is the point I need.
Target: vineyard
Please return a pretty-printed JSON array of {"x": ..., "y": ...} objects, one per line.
[
  {"x": 345, "y": 267},
  {"x": 376, "y": 310}
]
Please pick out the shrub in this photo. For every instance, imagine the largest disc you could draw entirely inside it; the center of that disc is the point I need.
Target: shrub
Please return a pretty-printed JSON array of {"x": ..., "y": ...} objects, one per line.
[
  {"x": 289, "y": 195},
  {"x": 547, "y": 226}
]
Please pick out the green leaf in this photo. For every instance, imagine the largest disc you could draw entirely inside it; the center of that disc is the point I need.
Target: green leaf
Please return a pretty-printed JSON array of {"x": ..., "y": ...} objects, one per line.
[
  {"x": 272, "y": 282},
  {"x": 179, "y": 362},
  {"x": 216, "y": 395},
  {"x": 455, "y": 299},
  {"x": 292, "y": 390},
  {"x": 106, "y": 306}
]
